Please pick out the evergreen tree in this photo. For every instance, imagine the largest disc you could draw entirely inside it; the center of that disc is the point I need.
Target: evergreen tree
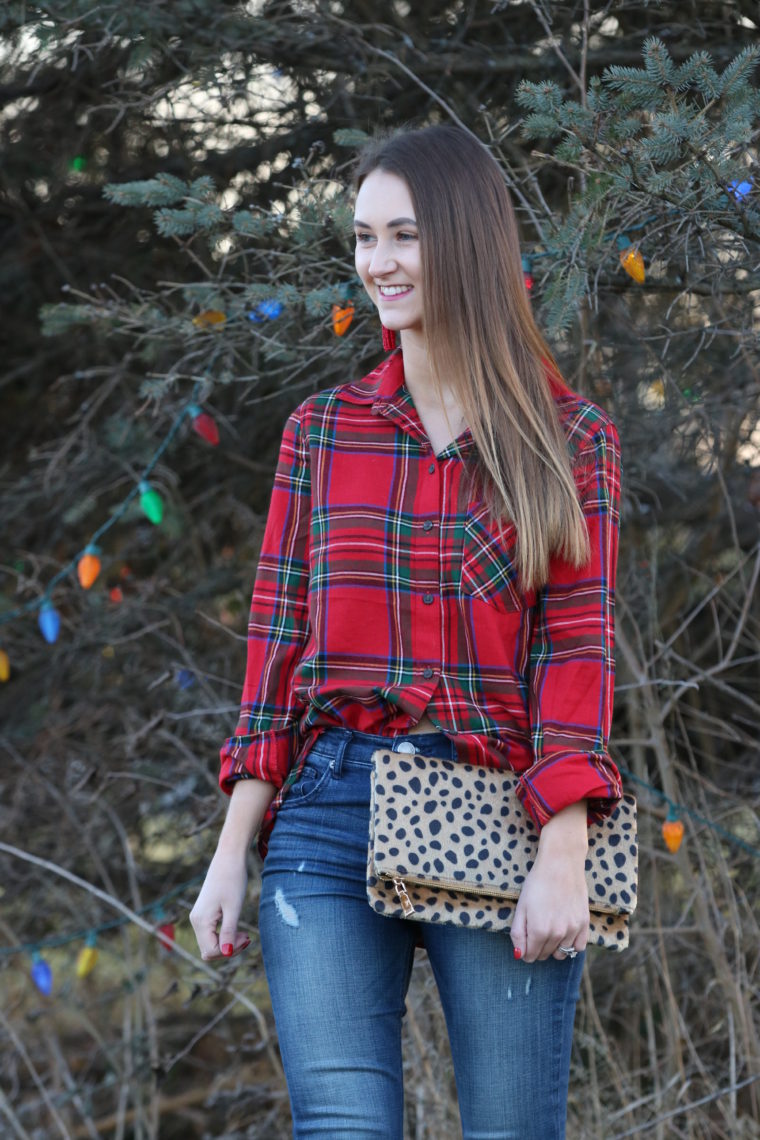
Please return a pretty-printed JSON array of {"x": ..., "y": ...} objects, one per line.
[{"x": 178, "y": 240}]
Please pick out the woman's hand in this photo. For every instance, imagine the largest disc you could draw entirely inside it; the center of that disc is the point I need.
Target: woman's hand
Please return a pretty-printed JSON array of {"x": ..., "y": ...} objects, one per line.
[
  {"x": 221, "y": 899},
  {"x": 219, "y": 905},
  {"x": 552, "y": 910}
]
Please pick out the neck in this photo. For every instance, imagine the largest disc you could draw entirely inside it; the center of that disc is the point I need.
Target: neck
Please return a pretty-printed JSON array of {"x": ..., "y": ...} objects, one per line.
[{"x": 418, "y": 374}]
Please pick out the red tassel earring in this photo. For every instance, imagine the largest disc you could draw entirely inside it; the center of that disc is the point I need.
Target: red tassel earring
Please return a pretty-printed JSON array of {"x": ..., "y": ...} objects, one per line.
[{"x": 389, "y": 339}]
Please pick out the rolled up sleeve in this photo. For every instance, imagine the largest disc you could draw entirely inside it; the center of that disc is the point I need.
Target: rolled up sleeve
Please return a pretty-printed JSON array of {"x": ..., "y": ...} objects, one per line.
[
  {"x": 572, "y": 657},
  {"x": 266, "y": 738}
]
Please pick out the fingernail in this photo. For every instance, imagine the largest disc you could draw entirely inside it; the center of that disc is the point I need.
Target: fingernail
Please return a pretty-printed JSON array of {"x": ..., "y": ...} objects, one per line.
[
  {"x": 246, "y": 943},
  {"x": 518, "y": 952},
  {"x": 227, "y": 949}
]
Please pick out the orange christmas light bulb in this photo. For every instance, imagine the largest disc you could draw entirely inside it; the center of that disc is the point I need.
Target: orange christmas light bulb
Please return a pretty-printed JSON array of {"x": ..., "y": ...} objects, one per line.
[
  {"x": 672, "y": 833},
  {"x": 88, "y": 568},
  {"x": 342, "y": 316},
  {"x": 633, "y": 264}
]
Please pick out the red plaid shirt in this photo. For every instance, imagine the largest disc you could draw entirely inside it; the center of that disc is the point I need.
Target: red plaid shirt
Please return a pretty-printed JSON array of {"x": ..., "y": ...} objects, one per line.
[{"x": 381, "y": 594}]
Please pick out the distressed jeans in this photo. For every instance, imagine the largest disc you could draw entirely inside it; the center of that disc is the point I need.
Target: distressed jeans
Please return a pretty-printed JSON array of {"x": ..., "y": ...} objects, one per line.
[{"x": 338, "y": 974}]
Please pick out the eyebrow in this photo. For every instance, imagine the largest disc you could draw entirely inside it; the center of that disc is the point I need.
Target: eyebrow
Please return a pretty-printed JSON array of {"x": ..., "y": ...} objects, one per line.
[{"x": 395, "y": 222}]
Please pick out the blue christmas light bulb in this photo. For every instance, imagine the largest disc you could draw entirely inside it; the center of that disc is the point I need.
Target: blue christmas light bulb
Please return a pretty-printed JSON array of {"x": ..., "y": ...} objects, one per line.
[
  {"x": 185, "y": 678},
  {"x": 266, "y": 311},
  {"x": 740, "y": 189},
  {"x": 49, "y": 622},
  {"x": 42, "y": 975}
]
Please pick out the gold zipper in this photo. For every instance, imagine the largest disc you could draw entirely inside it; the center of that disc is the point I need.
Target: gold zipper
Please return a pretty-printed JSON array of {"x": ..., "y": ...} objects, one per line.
[
  {"x": 403, "y": 897},
  {"x": 444, "y": 884},
  {"x": 447, "y": 884}
]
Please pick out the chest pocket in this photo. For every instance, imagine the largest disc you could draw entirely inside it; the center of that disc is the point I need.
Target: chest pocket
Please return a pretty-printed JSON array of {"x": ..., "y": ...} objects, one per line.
[{"x": 489, "y": 572}]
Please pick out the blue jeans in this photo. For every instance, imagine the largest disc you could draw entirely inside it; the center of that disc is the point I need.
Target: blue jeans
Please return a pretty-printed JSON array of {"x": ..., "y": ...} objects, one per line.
[{"x": 338, "y": 974}]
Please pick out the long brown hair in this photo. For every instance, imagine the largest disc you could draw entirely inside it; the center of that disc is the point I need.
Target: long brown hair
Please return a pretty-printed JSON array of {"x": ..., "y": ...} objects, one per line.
[{"x": 481, "y": 336}]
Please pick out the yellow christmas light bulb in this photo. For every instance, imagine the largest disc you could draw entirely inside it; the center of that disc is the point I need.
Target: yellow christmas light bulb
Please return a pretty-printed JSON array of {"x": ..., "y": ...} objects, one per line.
[
  {"x": 208, "y": 318},
  {"x": 5, "y": 666},
  {"x": 633, "y": 264},
  {"x": 86, "y": 960}
]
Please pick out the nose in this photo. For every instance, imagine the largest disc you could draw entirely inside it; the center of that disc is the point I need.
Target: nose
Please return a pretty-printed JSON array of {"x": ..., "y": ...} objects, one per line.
[{"x": 381, "y": 261}]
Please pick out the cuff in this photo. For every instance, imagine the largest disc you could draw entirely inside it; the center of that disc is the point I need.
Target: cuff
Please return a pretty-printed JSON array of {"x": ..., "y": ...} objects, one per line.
[
  {"x": 263, "y": 755},
  {"x": 560, "y": 780}
]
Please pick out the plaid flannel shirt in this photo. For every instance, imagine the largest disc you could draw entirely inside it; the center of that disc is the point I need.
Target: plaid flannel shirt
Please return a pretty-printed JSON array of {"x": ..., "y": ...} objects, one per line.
[{"x": 382, "y": 594}]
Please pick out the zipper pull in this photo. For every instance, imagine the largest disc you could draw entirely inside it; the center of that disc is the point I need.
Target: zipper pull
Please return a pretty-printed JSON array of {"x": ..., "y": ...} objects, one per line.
[{"x": 403, "y": 897}]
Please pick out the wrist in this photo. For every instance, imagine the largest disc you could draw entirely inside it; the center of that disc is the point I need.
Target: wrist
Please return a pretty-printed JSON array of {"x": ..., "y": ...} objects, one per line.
[
  {"x": 567, "y": 829},
  {"x": 233, "y": 844},
  {"x": 245, "y": 812}
]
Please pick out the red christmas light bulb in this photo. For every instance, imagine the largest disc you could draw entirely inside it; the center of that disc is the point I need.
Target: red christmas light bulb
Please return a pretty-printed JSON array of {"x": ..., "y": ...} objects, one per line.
[
  {"x": 166, "y": 933},
  {"x": 205, "y": 425}
]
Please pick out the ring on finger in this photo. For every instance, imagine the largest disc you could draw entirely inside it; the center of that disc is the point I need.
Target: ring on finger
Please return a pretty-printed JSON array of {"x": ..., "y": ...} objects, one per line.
[{"x": 569, "y": 950}]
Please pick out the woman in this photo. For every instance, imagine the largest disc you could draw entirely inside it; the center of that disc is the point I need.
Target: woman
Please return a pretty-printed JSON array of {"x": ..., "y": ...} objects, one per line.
[{"x": 436, "y": 575}]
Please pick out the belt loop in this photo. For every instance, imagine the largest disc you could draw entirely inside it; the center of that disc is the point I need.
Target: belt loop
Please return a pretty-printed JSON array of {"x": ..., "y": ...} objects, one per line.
[{"x": 337, "y": 761}]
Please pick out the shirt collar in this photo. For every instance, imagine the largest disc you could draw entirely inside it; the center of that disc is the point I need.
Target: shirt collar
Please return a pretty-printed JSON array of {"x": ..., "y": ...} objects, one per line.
[
  {"x": 391, "y": 380},
  {"x": 385, "y": 391},
  {"x": 378, "y": 384}
]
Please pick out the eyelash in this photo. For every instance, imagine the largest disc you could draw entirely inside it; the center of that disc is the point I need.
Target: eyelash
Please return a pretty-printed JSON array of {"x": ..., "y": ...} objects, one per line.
[{"x": 360, "y": 237}]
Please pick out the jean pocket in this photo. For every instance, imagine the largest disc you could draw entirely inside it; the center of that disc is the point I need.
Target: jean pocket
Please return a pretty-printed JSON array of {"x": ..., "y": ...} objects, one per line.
[
  {"x": 314, "y": 775},
  {"x": 489, "y": 568}
]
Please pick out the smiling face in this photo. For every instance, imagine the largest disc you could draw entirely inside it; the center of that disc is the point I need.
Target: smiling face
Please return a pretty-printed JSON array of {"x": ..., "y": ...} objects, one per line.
[{"x": 388, "y": 250}]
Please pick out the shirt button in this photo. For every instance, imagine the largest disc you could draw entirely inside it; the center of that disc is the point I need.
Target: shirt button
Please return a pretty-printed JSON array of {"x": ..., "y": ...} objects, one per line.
[
  {"x": 431, "y": 468},
  {"x": 428, "y": 672},
  {"x": 428, "y": 599},
  {"x": 427, "y": 525}
]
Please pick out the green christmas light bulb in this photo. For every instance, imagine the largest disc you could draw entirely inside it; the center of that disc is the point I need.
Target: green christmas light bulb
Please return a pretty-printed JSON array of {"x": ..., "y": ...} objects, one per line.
[{"x": 151, "y": 503}]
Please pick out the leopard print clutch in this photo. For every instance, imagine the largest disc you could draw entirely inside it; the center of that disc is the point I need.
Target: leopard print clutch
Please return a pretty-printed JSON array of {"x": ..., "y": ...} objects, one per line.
[{"x": 451, "y": 842}]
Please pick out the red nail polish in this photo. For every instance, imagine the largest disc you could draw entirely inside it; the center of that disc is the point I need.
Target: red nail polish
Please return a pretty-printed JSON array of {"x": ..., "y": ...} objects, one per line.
[
  {"x": 518, "y": 952},
  {"x": 227, "y": 949}
]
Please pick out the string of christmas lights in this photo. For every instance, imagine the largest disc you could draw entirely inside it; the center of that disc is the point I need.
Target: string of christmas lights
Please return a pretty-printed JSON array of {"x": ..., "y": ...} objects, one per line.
[
  {"x": 673, "y": 828},
  {"x": 629, "y": 254},
  {"x": 91, "y": 932},
  {"x": 86, "y": 562},
  {"x": 41, "y": 971}
]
